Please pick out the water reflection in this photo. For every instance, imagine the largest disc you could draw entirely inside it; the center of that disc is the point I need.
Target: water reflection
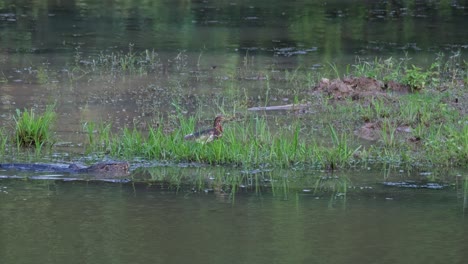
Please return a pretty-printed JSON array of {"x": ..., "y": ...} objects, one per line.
[
  {"x": 335, "y": 29},
  {"x": 78, "y": 222}
]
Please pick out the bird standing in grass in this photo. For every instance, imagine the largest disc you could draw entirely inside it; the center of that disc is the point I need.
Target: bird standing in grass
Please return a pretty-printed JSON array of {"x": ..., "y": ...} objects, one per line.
[{"x": 208, "y": 135}]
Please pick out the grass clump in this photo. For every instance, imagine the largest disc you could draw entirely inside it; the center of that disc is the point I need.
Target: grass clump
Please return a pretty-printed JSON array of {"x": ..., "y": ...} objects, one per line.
[
  {"x": 448, "y": 145},
  {"x": 98, "y": 136},
  {"x": 247, "y": 142},
  {"x": 416, "y": 78},
  {"x": 380, "y": 69},
  {"x": 33, "y": 130},
  {"x": 116, "y": 63}
]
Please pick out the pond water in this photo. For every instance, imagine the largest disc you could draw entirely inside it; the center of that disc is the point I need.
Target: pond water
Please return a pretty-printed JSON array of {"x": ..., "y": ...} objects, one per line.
[
  {"x": 54, "y": 221},
  {"x": 310, "y": 32},
  {"x": 187, "y": 215},
  {"x": 214, "y": 50}
]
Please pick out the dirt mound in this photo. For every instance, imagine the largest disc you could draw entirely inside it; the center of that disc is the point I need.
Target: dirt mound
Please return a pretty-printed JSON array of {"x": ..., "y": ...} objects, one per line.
[{"x": 358, "y": 87}]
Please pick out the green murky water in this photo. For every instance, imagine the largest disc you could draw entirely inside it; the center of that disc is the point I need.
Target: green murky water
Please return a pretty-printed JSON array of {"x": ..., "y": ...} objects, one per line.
[
  {"x": 308, "y": 31},
  {"x": 289, "y": 218},
  {"x": 104, "y": 223}
]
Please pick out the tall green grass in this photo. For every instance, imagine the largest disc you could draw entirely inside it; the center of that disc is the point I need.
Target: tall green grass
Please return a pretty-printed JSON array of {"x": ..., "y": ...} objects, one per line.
[
  {"x": 448, "y": 145},
  {"x": 259, "y": 141},
  {"x": 34, "y": 130},
  {"x": 246, "y": 142},
  {"x": 99, "y": 136}
]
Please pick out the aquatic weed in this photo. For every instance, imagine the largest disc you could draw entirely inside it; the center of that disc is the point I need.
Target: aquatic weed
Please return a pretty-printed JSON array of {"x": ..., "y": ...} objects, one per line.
[
  {"x": 33, "y": 130},
  {"x": 380, "y": 69},
  {"x": 99, "y": 135},
  {"x": 340, "y": 153},
  {"x": 388, "y": 133}
]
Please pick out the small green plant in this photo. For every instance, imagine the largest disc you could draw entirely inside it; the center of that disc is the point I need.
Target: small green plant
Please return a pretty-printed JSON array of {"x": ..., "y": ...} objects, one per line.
[
  {"x": 89, "y": 128},
  {"x": 34, "y": 130},
  {"x": 380, "y": 69},
  {"x": 340, "y": 153},
  {"x": 99, "y": 136},
  {"x": 334, "y": 69},
  {"x": 128, "y": 62},
  {"x": 42, "y": 75},
  {"x": 416, "y": 78},
  {"x": 3, "y": 78},
  {"x": 387, "y": 134},
  {"x": 366, "y": 69},
  {"x": 447, "y": 144}
]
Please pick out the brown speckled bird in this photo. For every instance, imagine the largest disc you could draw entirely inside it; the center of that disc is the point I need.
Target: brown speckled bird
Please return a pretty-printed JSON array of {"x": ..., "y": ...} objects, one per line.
[{"x": 208, "y": 135}]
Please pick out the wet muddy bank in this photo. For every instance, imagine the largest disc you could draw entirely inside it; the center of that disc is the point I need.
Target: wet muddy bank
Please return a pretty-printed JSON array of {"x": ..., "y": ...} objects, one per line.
[{"x": 376, "y": 127}]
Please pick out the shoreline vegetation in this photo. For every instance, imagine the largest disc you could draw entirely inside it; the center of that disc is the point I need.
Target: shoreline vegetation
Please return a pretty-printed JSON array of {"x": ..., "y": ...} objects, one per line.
[{"x": 385, "y": 111}]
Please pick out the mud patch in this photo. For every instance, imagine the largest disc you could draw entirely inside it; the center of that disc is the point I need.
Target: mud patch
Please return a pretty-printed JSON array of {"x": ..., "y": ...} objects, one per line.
[
  {"x": 358, "y": 87},
  {"x": 372, "y": 131},
  {"x": 369, "y": 131}
]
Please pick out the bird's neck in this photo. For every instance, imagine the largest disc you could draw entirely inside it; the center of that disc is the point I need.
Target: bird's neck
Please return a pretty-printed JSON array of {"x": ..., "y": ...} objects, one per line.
[{"x": 218, "y": 128}]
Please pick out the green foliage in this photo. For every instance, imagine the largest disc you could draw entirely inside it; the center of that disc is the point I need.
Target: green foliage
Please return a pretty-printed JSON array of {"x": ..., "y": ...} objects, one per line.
[
  {"x": 416, "y": 78},
  {"x": 119, "y": 64},
  {"x": 34, "y": 130},
  {"x": 448, "y": 145},
  {"x": 450, "y": 69},
  {"x": 388, "y": 133},
  {"x": 340, "y": 154},
  {"x": 42, "y": 75},
  {"x": 380, "y": 69},
  {"x": 3, "y": 78},
  {"x": 99, "y": 137}
]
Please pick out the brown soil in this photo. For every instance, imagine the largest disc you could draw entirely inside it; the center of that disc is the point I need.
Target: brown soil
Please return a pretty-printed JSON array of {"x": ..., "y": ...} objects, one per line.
[
  {"x": 358, "y": 87},
  {"x": 363, "y": 88},
  {"x": 372, "y": 131},
  {"x": 369, "y": 131}
]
